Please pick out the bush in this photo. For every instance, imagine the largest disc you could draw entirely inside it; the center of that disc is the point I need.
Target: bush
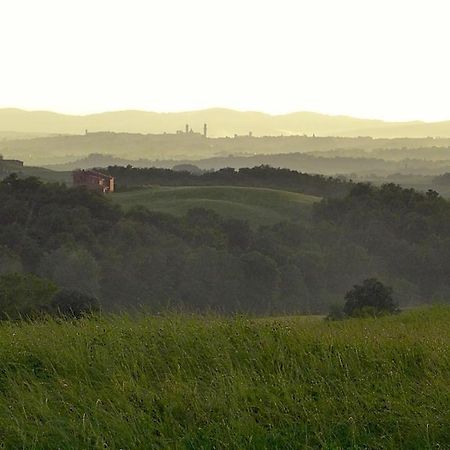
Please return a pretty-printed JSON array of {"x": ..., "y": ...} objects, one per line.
[
  {"x": 336, "y": 312},
  {"x": 73, "y": 303},
  {"x": 24, "y": 295},
  {"x": 29, "y": 296},
  {"x": 373, "y": 298}
]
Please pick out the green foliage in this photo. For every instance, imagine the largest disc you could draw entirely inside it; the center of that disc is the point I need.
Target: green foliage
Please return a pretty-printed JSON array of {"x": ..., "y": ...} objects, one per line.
[
  {"x": 336, "y": 312},
  {"x": 9, "y": 262},
  {"x": 71, "y": 268},
  {"x": 372, "y": 298},
  {"x": 201, "y": 260},
  {"x": 24, "y": 295},
  {"x": 205, "y": 382},
  {"x": 29, "y": 296},
  {"x": 262, "y": 176},
  {"x": 73, "y": 303},
  {"x": 406, "y": 233}
]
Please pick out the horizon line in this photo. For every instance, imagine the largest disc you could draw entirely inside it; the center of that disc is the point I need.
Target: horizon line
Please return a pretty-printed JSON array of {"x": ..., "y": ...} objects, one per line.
[{"x": 184, "y": 111}]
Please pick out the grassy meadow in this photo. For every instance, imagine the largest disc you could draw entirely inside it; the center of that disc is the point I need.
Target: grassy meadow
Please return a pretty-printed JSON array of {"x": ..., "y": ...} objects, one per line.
[
  {"x": 47, "y": 175},
  {"x": 259, "y": 206},
  {"x": 191, "y": 382}
]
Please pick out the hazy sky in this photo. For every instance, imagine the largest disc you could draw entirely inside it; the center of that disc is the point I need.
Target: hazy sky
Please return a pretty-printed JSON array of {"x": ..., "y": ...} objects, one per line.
[{"x": 370, "y": 58}]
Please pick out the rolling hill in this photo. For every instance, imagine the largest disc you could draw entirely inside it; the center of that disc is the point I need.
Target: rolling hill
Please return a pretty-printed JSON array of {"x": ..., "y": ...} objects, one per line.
[
  {"x": 141, "y": 149},
  {"x": 257, "y": 205},
  {"x": 221, "y": 122},
  {"x": 44, "y": 174}
]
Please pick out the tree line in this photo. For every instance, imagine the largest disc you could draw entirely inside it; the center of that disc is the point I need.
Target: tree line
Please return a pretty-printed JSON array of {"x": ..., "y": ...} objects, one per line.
[
  {"x": 260, "y": 176},
  {"x": 81, "y": 242}
]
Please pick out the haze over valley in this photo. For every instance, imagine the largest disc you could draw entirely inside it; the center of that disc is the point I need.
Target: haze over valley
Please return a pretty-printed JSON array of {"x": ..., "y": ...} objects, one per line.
[
  {"x": 224, "y": 224},
  {"x": 222, "y": 122},
  {"x": 169, "y": 140}
]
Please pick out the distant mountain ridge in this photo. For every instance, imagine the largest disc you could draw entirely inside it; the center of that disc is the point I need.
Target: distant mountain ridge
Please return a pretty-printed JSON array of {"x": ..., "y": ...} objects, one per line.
[{"x": 221, "y": 122}]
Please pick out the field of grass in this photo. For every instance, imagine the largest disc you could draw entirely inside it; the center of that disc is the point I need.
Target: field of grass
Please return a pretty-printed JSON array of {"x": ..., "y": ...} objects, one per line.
[
  {"x": 257, "y": 205},
  {"x": 191, "y": 382},
  {"x": 47, "y": 175}
]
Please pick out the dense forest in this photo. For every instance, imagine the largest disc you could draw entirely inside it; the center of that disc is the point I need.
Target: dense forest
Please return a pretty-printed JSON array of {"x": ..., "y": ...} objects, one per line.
[{"x": 80, "y": 240}]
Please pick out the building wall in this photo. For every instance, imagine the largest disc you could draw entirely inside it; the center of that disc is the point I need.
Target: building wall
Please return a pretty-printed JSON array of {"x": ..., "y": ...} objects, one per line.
[
  {"x": 93, "y": 180},
  {"x": 11, "y": 164}
]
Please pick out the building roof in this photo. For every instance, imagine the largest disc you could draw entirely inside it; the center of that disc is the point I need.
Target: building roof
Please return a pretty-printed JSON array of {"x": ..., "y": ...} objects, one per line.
[{"x": 94, "y": 173}]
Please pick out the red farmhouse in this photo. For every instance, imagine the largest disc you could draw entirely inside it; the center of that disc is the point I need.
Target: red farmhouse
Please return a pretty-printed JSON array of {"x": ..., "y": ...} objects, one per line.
[{"x": 93, "y": 179}]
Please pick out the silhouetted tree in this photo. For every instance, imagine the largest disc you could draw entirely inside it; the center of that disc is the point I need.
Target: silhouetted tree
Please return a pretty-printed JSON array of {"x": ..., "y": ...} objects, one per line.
[
  {"x": 371, "y": 298},
  {"x": 73, "y": 303}
]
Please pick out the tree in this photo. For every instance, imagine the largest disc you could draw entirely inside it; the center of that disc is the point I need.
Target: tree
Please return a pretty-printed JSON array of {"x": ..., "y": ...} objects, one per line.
[
  {"x": 262, "y": 281},
  {"x": 9, "y": 262},
  {"x": 72, "y": 268},
  {"x": 335, "y": 312},
  {"x": 238, "y": 233},
  {"x": 24, "y": 295},
  {"x": 73, "y": 303},
  {"x": 371, "y": 298}
]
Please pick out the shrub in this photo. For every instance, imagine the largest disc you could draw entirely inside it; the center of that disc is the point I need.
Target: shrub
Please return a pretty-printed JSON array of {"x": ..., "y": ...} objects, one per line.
[
  {"x": 73, "y": 303},
  {"x": 372, "y": 298},
  {"x": 335, "y": 312},
  {"x": 24, "y": 295}
]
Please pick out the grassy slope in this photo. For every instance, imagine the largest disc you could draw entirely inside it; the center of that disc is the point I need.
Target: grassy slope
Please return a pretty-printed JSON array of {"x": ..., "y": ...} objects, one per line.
[
  {"x": 258, "y": 205},
  {"x": 187, "y": 382},
  {"x": 47, "y": 175}
]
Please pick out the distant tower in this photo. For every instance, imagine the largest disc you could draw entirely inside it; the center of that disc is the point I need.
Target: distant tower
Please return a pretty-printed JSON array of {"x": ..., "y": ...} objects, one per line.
[
  {"x": 205, "y": 130},
  {"x": 86, "y": 132},
  {"x": 187, "y": 128},
  {"x": 250, "y": 134}
]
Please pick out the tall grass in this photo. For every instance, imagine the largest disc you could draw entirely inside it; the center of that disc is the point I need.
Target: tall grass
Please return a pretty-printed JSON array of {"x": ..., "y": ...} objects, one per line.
[{"x": 191, "y": 382}]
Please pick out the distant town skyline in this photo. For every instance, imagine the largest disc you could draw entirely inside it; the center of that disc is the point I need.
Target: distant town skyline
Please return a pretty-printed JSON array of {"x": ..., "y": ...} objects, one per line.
[{"x": 368, "y": 59}]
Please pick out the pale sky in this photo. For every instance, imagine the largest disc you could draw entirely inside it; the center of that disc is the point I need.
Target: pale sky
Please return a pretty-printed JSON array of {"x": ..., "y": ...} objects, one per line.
[{"x": 386, "y": 59}]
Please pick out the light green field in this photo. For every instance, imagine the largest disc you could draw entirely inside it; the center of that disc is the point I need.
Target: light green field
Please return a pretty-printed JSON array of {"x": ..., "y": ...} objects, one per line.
[
  {"x": 257, "y": 205},
  {"x": 46, "y": 175},
  {"x": 187, "y": 382},
  {"x": 51, "y": 176}
]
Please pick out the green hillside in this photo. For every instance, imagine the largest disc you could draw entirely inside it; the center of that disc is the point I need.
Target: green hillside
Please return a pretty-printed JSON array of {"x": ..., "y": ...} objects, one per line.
[
  {"x": 47, "y": 175},
  {"x": 257, "y": 205},
  {"x": 183, "y": 382},
  {"x": 51, "y": 176}
]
